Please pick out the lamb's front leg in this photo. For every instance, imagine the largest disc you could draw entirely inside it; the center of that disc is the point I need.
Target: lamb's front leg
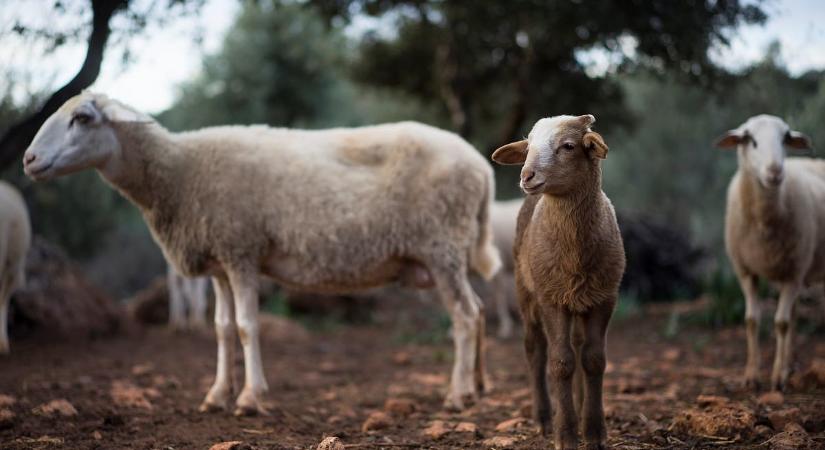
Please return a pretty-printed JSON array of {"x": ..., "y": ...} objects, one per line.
[
  {"x": 752, "y": 314},
  {"x": 220, "y": 394},
  {"x": 245, "y": 291},
  {"x": 782, "y": 325},
  {"x": 593, "y": 362}
]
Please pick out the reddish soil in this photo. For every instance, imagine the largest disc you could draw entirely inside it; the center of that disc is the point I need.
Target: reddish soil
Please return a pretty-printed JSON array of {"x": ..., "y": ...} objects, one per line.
[{"x": 142, "y": 391}]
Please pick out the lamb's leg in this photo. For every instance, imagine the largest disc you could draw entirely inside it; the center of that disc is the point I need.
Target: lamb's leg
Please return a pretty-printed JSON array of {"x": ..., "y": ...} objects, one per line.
[
  {"x": 198, "y": 303},
  {"x": 505, "y": 320},
  {"x": 177, "y": 313},
  {"x": 535, "y": 346},
  {"x": 482, "y": 379},
  {"x": 245, "y": 292},
  {"x": 752, "y": 314},
  {"x": 789, "y": 342},
  {"x": 593, "y": 362},
  {"x": 781, "y": 369},
  {"x": 557, "y": 322},
  {"x": 220, "y": 394},
  {"x": 457, "y": 297},
  {"x": 577, "y": 338}
]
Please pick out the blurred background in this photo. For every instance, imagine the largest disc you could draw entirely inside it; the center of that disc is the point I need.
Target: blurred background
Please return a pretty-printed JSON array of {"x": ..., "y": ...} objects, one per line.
[{"x": 663, "y": 79}]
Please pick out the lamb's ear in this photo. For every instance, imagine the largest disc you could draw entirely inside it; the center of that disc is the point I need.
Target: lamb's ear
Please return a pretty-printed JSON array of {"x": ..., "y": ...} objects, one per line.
[
  {"x": 797, "y": 141},
  {"x": 115, "y": 112},
  {"x": 594, "y": 143},
  {"x": 730, "y": 140},
  {"x": 512, "y": 153},
  {"x": 587, "y": 120}
]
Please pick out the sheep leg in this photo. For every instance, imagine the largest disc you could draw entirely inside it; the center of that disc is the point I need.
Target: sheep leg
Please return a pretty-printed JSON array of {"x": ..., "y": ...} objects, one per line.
[
  {"x": 220, "y": 393},
  {"x": 245, "y": 292},
  {"x": 505, "y": 320},
  {"x": 593, "y": 363},
  {"x": 535, "y": 346},
  {"x": 752, "y": 315},
  {"x": 781, "y": 369},
  {"x": 577, "y": 339},
  {"x": 198, "y": 304},
  {"x": 788, "y": 354},
  {"x": 482, "y": 379},
  {"x": 177, "y": 314},
  {"x": 5, "y": 298},
  {"x": 457, "y": 297},
  {"x": 557, "y": 322}
]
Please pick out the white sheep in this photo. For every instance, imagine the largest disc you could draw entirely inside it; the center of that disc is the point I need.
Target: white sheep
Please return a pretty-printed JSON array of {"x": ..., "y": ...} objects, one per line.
[
  {"x": 322, "y": 211},
  {"x": 15, "y": 238},
  {"x": 187, "y": 300},
  {"x": 503, "y": 217},
  {"x": 774, "y": 229}
]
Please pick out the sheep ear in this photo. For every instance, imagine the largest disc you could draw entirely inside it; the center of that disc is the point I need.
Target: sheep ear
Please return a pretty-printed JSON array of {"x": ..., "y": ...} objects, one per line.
[
  {"x": 729, "y": 140},
  {"x": 115, "y": 112},
  {"x": 594, "y": 143},
  {"x": 797, "y": 141},
  {"x": 513, "y": 153},
  {"x": 587, "y": 120}
]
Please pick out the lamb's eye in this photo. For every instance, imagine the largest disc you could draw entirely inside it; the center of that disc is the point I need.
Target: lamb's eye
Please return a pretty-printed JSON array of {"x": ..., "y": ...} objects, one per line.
[
  {"x": 569, "y": 146},
  {"x": 81, "y": 118}
]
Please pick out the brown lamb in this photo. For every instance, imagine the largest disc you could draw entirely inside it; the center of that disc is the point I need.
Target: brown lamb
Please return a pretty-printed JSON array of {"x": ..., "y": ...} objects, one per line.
[{"x": 569, "y": 263}]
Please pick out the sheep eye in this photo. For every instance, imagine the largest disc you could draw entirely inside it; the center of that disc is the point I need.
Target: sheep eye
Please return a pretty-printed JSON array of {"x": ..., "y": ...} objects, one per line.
[
  {"x": 749, "y": 138},
  {"x": 569, "y": 146},
  {"x": 81, "y": 118}
]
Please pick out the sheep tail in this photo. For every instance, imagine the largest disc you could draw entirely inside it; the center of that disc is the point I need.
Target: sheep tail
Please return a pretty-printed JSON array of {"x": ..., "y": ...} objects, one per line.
[{"x": 484, "y": 257}]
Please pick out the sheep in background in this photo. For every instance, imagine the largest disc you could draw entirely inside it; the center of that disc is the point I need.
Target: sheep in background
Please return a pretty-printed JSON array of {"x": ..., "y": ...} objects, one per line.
[
  {"x": 321, "y": 211},
  {"x": 774, "y": 229},
  {"x": 15, "y": 238},
  {"x": 503, "y": 217},
  {"x": 569, "y": 262},
  {"x": 187, "y": 300}
]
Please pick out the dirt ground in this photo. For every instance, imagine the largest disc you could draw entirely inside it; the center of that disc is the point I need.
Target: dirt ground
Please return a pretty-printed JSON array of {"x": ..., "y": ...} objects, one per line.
[{"x": 142, "y": 391}]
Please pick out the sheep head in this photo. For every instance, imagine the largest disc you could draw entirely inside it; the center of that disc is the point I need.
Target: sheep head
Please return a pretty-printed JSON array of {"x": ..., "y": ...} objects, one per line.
[
  {"x": 761, "y": 143},
  {"x": 79, "y": 135},
  {"x": 558, "y": 153}
]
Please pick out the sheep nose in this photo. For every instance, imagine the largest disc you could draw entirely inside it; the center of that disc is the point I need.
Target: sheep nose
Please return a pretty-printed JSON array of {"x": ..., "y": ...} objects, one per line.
[
  {"x": 527, "y": 175},
  {"x": 29, "y": 158}
]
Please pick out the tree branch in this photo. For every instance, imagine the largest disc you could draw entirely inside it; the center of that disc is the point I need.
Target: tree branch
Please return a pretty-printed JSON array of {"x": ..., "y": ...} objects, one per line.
[{"x": 18, "y": 137}]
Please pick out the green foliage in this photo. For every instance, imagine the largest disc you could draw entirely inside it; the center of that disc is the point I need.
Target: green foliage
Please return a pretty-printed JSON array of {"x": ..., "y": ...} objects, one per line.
[
  {"x": 276, "y": 303},
  {"x": 727, "y": 305}
]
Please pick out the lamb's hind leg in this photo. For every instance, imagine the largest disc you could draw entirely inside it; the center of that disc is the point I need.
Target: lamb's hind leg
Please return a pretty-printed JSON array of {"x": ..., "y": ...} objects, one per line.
[
  {"x": 220, "y": 393},
  {"x": 535, "y": 346},
  {"x": 458, "y": 299},
  {"x": 245, "y": 291},
  {"x": 593, "y": 363},
  {"x": 782, "y": 324}
]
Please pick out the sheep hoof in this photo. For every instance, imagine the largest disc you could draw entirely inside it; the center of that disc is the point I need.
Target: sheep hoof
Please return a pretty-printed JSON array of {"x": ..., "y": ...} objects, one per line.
[
  {"x": 453, "y": 403},
  {"x": 752, "y": 384},
  {"x": 210, "y": 407},
  {"x": 250, "y": 410}
]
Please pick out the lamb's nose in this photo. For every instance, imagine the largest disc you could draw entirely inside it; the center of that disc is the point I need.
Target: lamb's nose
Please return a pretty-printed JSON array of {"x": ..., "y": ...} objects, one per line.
[
  {"x": 527, "y": 175},
  {"x": 29, "y": 158}
]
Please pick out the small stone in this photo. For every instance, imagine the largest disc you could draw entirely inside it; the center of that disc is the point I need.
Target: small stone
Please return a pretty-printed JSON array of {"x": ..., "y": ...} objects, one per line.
[
  {"x": 126, "y": 394},
  {"x": 60, "y": 407},
  {"x": 773, "y": 398},
  {"x": 402, "y": 358},
  {"x": 97, "y": 435},
  {"x": 499, "y": 442},
  {"x": 671, "y": 354},
  {"x": 6, "y": 418},
  {"x": 142, "y": 369},
  {"x": 231, "y": 445},
  {"x": 400, "y": 406},
  {"x": 717, "y": 420},
  {"x": 376, "y": 421},
  {"x": 331, "y": 443},
  {"x": 512, "y": 424},
  {"x": 779, "y": 419},
  {"x": 437, "y": 429},
  {"x": 708, "y": 400},
  {"x": 466, "y": 427},
  {"x": 7, "y": 400}
]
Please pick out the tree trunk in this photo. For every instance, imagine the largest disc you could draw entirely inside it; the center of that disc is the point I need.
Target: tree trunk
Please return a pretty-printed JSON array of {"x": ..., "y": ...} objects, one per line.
[{"x": 18, "y": 137}]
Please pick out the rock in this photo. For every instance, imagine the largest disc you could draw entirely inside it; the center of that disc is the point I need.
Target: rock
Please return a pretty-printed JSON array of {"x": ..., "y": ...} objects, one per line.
[
  {"x": 716, "y": 420},
  {"x": 779, "y": 419},
  {"x": 6, "y": 418},
  {"x": 331, "y": 443},
  {"x": 437, "y": 429},
  {"x": 126, "y": 394},
  {"x": 402, "y": 358},
  {"x": 792, "y": 437},
  {"x": 231, "y": 445},
  {"x": 400, "y": 406},
  {"x": 58, "y": 298},
  {"x": 512, "y": 424},
  {"x": 773, "y": 398},
  {"x": 499, "y": 442},
  {"x": 57, "y": 407},
  {"x": 97, "y": 435},
  {"x": 376, "y": 421},
  {"x": 7, "y": 400},
  {"x": 467, "y": 427}
]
